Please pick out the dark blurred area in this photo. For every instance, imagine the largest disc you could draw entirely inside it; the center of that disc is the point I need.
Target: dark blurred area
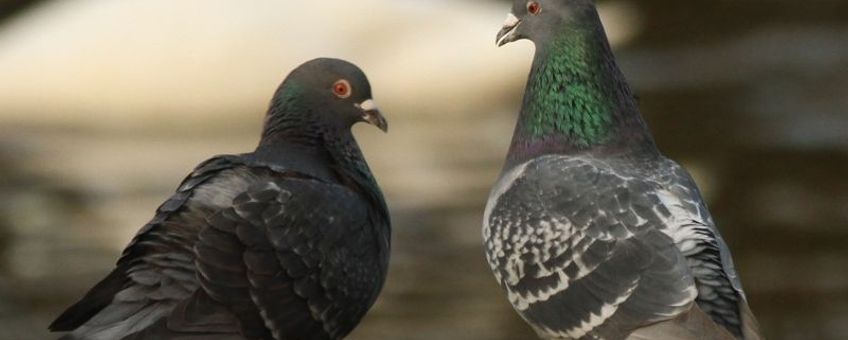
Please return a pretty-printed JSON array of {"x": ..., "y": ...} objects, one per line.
[
  {"x": 105, "y": 106},
  {"x": 10, "y": 7}
]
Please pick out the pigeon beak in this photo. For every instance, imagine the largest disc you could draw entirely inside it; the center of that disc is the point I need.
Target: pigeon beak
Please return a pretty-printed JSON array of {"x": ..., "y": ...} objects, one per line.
[
  {"x": 507, "y": 33},
  {"x": 371, "y": 115}
]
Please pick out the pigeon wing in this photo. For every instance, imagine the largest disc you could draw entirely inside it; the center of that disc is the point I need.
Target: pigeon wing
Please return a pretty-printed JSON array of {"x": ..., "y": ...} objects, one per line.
[
  {"x": 581, "y": 251},
  {"x": 720, "y": 293},
  {"x": 155, "y": 270},
  {"x": 296, "y": 258}
]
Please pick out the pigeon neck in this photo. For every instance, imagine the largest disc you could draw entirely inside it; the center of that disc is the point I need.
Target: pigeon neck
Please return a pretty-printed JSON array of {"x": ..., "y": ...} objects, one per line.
[
  {"x": 355, "y": 174},
  {"x": 303, "y": 136},
  {"x": 352, "y": 166},
  {"x": 576, "y": 98},
  {"x": 287, "y": 120},
  {"x": 336, "y": 151},
  {"x": 299, "y": 157}
]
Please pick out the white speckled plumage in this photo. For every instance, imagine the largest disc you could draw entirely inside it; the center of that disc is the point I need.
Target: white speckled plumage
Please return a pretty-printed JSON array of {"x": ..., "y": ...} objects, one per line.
[{"x": 540, "y": 244}]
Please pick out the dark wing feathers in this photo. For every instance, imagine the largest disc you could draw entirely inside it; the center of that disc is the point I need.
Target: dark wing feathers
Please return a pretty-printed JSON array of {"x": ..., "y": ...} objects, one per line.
[
  {"x": 221, "y": 273},
  {"x": 196, "y": 318},
  {"x": 147, "y": 261},
  {"x": 284, "y": 257},
  {"x": 303, "y": 271},
  {"x": 94, "y": 301}
]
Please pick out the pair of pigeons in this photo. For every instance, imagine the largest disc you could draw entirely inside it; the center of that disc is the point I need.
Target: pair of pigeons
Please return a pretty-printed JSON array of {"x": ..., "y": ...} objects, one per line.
[{"x": 590, "y": 230}]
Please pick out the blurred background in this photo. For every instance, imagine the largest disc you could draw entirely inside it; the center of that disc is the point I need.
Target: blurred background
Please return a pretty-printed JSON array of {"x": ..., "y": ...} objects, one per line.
[{"x": 106, "y": 105}]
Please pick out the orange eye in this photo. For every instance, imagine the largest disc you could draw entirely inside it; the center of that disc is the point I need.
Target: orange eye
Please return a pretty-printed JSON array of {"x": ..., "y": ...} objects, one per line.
[
  {"x": 534, "y": 8},
  {"x": 341, "y": 88}
]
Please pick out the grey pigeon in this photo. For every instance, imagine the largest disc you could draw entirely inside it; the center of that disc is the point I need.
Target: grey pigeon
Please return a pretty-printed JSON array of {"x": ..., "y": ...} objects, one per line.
[
  {"x": 591, "y": 231},
  {"x": 290, "y": 241}
]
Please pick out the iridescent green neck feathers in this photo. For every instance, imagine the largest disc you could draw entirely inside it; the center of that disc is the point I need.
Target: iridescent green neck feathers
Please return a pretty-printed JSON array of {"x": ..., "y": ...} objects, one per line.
[
  {"x": 577, "y": 99},
  {"x": 567, "y": 93}
]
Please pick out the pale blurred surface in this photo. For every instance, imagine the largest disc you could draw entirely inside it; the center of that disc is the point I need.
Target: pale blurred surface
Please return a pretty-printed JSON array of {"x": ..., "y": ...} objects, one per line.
[{"x": 106, "y": 105}]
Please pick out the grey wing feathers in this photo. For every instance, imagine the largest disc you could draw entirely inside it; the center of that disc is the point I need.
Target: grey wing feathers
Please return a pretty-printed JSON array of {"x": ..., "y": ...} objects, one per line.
[
  {"x": 692, "y": 325},
  {"x": 586, "y": 248},
  {"x": 580, "y": 251},
  {"x": 308, "y": 268},
  {"x": 720, "y": 293}
]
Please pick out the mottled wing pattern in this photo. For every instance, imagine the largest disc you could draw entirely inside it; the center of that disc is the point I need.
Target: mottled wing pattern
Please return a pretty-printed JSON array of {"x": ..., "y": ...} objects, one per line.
[
  {"x": 720, "y": 292},
  {"x": 155, "y": 271},
  {"x": 581, "y": 251},
  {"x": 296, "y": 255}
]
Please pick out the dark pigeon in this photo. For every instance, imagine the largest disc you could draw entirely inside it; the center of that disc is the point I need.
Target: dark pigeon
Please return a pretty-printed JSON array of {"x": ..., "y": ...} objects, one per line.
[
  {"x": 591, "y": 231},
  {"x": 290, "y": 241}
]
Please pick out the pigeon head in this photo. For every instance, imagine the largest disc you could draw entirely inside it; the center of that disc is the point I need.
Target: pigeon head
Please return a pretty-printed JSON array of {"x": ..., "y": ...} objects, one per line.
[
  {"x": 322, "y": 97},
  {"x": 535, "y": 20},
  {"x": 576, "y": 98}
]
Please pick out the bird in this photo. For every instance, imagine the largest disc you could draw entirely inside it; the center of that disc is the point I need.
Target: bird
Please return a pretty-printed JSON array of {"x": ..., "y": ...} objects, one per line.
[
  {"x": 290, "y": 241},
  {"x": 591, "y": 231}
]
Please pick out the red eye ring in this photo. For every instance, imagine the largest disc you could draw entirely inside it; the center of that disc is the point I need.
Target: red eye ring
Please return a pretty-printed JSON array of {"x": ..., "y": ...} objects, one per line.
[
  {"x": 534, "y": 7},
  {"x": 341, "y": 88}
]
